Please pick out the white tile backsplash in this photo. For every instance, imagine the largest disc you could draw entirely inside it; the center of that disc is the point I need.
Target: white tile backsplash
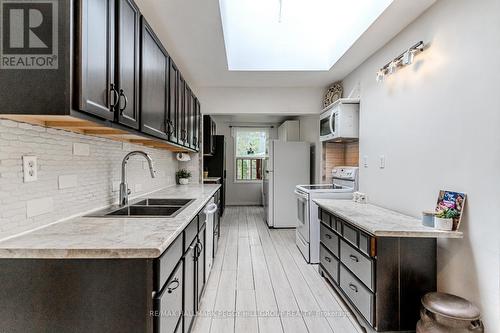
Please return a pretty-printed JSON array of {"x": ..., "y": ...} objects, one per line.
[
  {"x": 76, "y": 173},
  {"x": 40, "y": 206},
  {"x": 68, "y": 181}
]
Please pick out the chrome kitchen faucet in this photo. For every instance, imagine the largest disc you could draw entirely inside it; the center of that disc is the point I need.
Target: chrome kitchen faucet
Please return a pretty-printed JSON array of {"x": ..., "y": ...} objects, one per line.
[{"x": 124, "y": 190}]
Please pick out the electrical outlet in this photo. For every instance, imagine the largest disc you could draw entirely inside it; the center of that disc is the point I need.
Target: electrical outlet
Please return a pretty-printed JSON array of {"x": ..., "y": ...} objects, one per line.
[
  {"x": 382, "y": 161},
  {"x": 30, "y": 169}
]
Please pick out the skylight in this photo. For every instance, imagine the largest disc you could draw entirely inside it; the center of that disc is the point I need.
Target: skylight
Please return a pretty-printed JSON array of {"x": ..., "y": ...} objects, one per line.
[{"x": 293, "y": 35}]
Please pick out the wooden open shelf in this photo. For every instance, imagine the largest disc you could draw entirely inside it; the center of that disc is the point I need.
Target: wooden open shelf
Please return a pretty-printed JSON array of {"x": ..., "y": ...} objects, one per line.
[{"x": 85, "y": 127}]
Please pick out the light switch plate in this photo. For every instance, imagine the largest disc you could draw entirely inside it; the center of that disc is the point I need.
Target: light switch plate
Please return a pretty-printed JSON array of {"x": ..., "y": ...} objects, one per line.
[
  {"x": 30, "y": 169},
  {"x": 365, "y": 161},
  {"x": 382, "y": 161}
]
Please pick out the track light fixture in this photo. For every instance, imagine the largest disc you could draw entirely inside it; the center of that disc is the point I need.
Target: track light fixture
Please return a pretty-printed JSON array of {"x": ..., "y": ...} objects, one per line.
[{"x": 404, "y": 59}]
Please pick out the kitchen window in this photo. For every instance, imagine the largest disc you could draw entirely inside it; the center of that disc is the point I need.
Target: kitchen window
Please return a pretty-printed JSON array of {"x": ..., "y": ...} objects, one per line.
[{"x": 251, "y": 147}]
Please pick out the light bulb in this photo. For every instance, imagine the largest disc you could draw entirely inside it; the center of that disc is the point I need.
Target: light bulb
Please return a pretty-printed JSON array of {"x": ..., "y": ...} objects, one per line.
[
  {"x": 380, "y": 76},
  {"x": 408, "y": 57},
  {"x": 392, "y": 67}
]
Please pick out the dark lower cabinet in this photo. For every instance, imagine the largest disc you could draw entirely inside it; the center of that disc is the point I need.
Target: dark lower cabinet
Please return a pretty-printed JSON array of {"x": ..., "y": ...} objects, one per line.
[
  {"x": 200, "y": 266},
  {"x": 127, "y": 59},
  {"x": 382, "y": 279},
  {"x": 190, "y": 294},
  {"x": 97, "y": 90},
  {"x": 154, "y": 65},
  {"x": 160, "y": 295},
  {"x": 169, "y": 303}
]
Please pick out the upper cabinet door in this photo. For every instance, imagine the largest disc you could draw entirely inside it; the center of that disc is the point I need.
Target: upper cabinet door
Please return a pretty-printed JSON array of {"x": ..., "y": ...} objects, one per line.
[
  {"x": 189, "y": 122},
  {"x": 194, "y": 137},
  {"x": 97, "y": 92},
  {"x": 173, "y": 111},
  {"x": 197, "y": 120},
  {"x": 181, "y": 106},
  {"x": 154, "y": 75},
  {"x": 128, "y": 23}
]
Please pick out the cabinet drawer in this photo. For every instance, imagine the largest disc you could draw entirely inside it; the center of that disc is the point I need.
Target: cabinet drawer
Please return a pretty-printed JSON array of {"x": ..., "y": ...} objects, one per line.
[
  {"x": 166, "y": 263},
  {"x": 350, "y": 234},
  {"x": 329, "y": 239},
  {"x": 190, "y": 233},
  {"x": 168, "y": 305},
  {"x": 329, "y": 262},
  {"x": 358, "y": 294},
  {"x": 361, "y": 266},
  {"x": 325, "y": 217}
]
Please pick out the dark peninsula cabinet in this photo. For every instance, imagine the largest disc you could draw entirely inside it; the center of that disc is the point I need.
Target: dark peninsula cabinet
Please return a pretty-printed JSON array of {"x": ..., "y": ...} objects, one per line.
[
  {"x": 381, "y": 279},
  {"x": 114, "y": 79}
]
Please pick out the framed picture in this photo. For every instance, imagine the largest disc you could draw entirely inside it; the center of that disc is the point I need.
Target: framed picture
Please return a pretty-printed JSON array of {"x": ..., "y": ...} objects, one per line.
[{"x": 454, "y": 202}]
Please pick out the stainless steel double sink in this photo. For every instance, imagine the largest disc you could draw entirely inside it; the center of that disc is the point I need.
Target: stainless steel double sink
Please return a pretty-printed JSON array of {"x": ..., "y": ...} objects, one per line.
[{"x": 149, "y": 207}]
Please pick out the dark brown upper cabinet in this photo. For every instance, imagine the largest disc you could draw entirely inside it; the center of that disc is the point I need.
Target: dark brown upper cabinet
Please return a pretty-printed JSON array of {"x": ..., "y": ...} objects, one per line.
[
  {"x": 209, "y": 130},
  {"x": 97, "y": 90},
  {"x": 127, "y": 59},
  {"x": 154, "y": 83},
  {"x": 181, "y": 107},
  {"x": 189, "y": 122},
  {"x": 197, "y": 122},
  {"x": 112, "y": 73},
  {"x": 173, "y": 110}
]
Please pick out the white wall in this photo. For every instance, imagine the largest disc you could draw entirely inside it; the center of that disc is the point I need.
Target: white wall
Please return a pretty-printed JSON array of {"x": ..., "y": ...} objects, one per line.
[
  {"x": 89, "y": 182},
  {"x": 309, "y": 132},
  {"x": 438, "y": 124},
  {"x": 240, "y": 193},
  {"x": 289, "y": 101}
]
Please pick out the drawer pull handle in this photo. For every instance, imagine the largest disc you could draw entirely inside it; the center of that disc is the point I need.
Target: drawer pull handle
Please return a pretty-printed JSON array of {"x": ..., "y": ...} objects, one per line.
[
  {"x": 353, "y": 287},
  {"x": 328, "y": 236},
  {"x": 354, "y": 258},
  {"x": 171, "y": 289},
  {"x": 328, "y": 259}
]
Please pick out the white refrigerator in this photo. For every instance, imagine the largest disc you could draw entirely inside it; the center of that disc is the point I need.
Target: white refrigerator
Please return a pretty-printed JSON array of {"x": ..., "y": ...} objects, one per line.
[{"x": 286, "y": 167}]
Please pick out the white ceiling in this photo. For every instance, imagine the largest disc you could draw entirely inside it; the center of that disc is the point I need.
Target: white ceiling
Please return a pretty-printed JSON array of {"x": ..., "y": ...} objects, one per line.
[{"x": 191, "y": 31}]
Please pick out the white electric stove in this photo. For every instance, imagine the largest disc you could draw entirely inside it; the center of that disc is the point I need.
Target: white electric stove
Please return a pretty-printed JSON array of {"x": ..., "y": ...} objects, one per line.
[{"x": 344, "y": 183}]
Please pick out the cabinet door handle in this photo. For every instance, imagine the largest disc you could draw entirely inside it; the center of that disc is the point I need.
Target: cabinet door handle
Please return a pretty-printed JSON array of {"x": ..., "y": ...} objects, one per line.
[
  {"x": 171, "y": 288},
  {"x": 170, "y": 127},
  {"x": 353, "y": 258},
  {"x": 328, "y": 236},
  {"x": 328, "y": 259},
  {"x": 122, "y": 94},
  {"x": 200, "y": 248},
  {"x": 116, "y": 97},
  {"x": 353, "y": 287}
]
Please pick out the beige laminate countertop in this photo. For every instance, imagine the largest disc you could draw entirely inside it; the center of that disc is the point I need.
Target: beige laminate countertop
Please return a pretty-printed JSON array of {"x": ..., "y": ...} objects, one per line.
[
  {"x": 382, "y": 222},
  {"x": 110, "y": 237}
]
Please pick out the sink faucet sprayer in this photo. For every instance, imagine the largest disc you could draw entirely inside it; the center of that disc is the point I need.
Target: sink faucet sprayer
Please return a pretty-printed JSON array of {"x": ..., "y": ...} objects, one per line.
[{"x": 124, "y": 190}]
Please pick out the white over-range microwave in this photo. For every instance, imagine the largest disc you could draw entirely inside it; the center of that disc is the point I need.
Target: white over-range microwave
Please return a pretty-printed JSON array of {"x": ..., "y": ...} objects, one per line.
[{"x": 340, "y": 121}]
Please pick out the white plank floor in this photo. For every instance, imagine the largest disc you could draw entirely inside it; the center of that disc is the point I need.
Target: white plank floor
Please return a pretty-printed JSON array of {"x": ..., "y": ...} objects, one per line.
[{"x": 260, "y": 283}]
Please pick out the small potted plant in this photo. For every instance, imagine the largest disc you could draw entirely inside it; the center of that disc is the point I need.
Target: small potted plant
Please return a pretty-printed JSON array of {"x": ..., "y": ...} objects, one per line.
[
  {"x": 183, "y": 176},
  {"x": 443, "y": 220}
]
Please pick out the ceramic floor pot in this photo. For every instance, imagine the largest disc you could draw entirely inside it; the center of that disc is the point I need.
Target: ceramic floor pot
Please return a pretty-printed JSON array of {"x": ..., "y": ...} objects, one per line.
[
  {"x": 183, "y": 181},
  {"x": 445, "y": 313}
]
